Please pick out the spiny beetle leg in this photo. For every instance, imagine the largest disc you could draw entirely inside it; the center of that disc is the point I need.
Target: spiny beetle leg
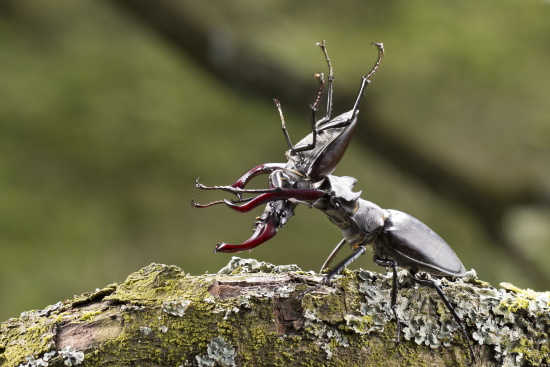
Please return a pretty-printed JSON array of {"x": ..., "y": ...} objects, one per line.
[
  {"x": 314, "y": 107},
  {"x": 223, "y": 201},
  {"x": 430, "y": 283},
  {"x": 380, "y": 47},
  {"x": 239, "y": 185},
  {"x": 360, "y": 250},
  {"x": 234, "y": 190},
  {"x": 283, "y": 125},
  {"x": 277, "y": 194},
  {"x": 197, "y": 205},
  {"x": 332, "y": 255},
  {"x": 330, "y": 81},
  {"x": 392, "y": 264},
  {"x": 366, "y": 78},
  {"x": 326, "y": 280}
]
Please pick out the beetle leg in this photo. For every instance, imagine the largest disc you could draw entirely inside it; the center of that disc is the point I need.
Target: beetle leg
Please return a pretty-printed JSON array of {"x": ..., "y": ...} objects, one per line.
[
  {"x": 366, "y": 79},
  {"x": 283, "y": 125},
  {"x": 344, "y": 263},
  {"x": 326, "y": 280},
  {"x": 197, "y": 205},
  {"x": 332, "y": 255},
  {"x": 313, "y": 108},
  {"x": 330, "y": 81},
  {"x": 244, "y": 179},
  {"x": 430, "y": 283},
  {"x": 231, "y": 189},
  {"x": 391, "y": 263}
]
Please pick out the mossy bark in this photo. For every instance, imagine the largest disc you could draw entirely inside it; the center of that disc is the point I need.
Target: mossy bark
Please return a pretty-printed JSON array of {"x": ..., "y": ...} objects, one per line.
[{"x": 256, "y": 314}]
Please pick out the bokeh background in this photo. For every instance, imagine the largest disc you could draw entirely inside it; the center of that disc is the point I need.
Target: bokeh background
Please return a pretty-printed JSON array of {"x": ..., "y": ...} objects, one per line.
[{"x": 109, "y": 110}]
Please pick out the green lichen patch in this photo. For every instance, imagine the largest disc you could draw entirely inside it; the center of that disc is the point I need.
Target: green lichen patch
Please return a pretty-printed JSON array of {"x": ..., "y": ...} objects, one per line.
[
  {"x": 89, "y": 316},
  {"x": 329, "y": 307},
  {"x": 150, "y": 284}
]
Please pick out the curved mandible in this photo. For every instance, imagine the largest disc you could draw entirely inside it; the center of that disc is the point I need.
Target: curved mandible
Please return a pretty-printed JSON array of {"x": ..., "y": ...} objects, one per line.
[{"x": 273, "y": 217}]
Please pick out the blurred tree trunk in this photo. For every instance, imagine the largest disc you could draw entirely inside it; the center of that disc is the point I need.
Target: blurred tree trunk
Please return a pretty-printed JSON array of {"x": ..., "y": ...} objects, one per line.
[{"x": 252, "y": 313}]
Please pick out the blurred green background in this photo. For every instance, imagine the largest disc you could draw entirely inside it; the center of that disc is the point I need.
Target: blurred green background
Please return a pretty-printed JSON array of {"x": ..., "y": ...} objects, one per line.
[{"x": 106, "y": 120}]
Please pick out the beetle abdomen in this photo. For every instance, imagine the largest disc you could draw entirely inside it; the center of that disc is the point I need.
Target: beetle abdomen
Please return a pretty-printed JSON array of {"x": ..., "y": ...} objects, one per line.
[{"x": 414, "y": 245}]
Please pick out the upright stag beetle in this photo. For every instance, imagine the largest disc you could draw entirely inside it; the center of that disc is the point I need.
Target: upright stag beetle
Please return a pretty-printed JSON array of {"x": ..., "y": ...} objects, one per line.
[
  {"x": 397, "y": 239},
  {"x": 309, "y": 162}
]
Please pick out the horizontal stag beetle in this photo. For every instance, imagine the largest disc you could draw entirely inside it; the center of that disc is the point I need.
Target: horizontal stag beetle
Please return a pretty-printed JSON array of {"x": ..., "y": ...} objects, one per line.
[{"x": 397, "y": 239}]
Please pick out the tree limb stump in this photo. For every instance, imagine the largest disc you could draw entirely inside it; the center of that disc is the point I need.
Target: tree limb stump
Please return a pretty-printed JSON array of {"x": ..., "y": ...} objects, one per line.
[{"x": 256, "y": 314}]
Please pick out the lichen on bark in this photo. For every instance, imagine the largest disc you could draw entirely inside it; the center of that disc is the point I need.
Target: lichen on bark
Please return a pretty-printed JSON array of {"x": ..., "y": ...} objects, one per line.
[{"x": 256, "y": 313}]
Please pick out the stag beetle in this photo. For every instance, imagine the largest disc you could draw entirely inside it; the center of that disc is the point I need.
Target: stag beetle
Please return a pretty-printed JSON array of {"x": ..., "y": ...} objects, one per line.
[
  {"x": 397, "y": 239},
  {"x": 309, "y": 161}
]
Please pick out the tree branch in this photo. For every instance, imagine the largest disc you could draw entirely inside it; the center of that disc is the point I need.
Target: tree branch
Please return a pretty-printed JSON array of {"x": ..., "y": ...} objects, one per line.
[{"x": 253, "y": 313}]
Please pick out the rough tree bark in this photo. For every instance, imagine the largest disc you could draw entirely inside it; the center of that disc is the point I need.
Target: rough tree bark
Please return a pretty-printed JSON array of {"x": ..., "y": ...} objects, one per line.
[{"x": 255, "y": 314}]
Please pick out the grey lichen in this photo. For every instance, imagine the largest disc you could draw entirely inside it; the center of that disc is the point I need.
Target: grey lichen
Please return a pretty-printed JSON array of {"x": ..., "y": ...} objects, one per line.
[
  {"x": 176, "y": 308},
  {"x": 71, "y": 356},
  {"x": 219, "y": 351},
  {"x": 145, "y": 330},
  {"x": 238, "y": 265},
  {"x": 515, "y": 323},
  {"x": 434, "y": 329},
  {"x": 39, "y": 362}
]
